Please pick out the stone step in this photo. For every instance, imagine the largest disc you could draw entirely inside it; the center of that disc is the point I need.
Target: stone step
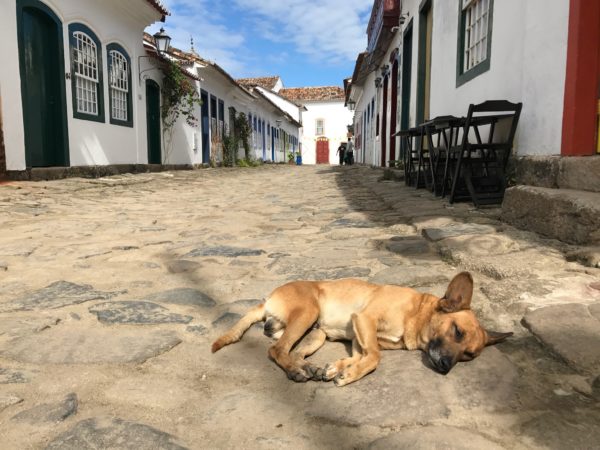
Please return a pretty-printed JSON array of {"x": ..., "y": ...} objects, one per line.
[{"x": 572, "y": 216}]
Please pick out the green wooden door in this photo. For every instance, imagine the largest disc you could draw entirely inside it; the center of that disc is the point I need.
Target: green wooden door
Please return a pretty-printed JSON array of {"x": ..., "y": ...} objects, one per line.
[
  {"x": 153, "y": 122},
  {"x": 42, "y": 66}
]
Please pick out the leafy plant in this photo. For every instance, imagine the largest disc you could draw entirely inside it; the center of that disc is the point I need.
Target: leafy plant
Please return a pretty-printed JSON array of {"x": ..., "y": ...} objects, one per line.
[
  {"x": 231, "y": 144},
  {"x": 179, "y": 99},
  {"x": 243, "y": 131}
]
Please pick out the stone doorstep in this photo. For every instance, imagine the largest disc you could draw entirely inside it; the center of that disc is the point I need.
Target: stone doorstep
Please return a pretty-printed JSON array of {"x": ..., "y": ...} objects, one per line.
[
  {"x": 573, "y": 172},
  {"x": 571, "y": 331},
  {"x": 56, "y": 173},
  {"x": 571, "y": 216}
]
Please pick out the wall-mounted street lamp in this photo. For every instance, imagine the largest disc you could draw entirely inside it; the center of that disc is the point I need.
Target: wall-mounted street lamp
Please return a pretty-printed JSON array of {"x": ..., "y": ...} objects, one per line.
[
  {"x": 351, "y": 105},
  {"x": 378, "y": 81},
  {"x": 162, "y": 42}
]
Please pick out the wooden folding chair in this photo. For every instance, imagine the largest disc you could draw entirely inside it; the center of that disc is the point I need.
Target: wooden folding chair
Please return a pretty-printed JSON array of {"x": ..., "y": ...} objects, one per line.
[{"x": 479, "y": 163}]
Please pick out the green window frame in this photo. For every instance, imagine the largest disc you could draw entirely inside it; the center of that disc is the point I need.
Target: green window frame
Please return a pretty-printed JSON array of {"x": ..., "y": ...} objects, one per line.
[
  {"x": 86, "y": 73},
  {"x": 119, "y": 86},
  {"x": 463, "y": 75}
]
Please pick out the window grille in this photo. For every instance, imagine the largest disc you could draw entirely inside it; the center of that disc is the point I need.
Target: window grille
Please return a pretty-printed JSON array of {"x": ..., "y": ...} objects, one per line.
[
  {"x": 320, "y": 127},
  {"x": 85, "y": 60},
  {"x": 119, "y": 85},
  {"x": 476, "y": 32}
]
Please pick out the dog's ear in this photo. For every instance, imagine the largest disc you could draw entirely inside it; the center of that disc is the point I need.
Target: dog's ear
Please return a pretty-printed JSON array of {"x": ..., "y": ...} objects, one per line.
[
  {"x": 493, "y": 337},
  {"x": 458, "y": 294}
]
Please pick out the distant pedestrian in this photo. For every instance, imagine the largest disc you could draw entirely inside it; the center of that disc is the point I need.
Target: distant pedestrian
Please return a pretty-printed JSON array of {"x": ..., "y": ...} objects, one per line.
[
  {"x": 342, "y": 152},
  {"x": 350, "y": 152}
]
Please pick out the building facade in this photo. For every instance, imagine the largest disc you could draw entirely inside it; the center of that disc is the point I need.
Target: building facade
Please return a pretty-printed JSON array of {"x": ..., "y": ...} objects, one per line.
[
  {"x": 82, "y": 86},
  {"x": 325, "y": 121},
  {"x": 428, "y": 58},
  {"x": 70, "y": 89}
]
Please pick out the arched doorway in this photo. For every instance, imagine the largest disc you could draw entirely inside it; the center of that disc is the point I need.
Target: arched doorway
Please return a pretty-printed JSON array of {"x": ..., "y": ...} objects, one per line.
[
  {"x": 153, "y": 122},
  {"x": 41, "y": 60}
]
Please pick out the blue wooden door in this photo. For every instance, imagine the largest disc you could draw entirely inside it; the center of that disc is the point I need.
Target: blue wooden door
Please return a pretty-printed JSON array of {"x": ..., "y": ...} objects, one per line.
[
  {"x": 205, "y": 128},
  {"x": 42, "y": 85}
]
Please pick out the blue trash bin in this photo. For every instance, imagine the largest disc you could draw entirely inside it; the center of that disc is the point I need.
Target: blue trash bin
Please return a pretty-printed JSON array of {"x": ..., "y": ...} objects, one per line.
[{"x": 298, "y": 160}]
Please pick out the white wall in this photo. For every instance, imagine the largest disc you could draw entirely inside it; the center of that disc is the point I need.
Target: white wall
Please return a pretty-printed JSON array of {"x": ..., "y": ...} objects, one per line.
[
  {"x": 337, "y": 118},
  {"x": 528, "y": 64},
  {"x": 90, "y": 143}
]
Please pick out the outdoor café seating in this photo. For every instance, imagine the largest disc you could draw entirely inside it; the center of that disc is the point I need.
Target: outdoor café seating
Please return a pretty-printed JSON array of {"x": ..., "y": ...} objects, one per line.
[{"x": 463, "y": 157}]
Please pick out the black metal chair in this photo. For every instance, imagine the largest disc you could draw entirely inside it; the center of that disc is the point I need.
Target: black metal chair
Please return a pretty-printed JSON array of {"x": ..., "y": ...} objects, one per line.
[
  {"x": 410, "y": 150},
  {"x": 477, "y": 167}
]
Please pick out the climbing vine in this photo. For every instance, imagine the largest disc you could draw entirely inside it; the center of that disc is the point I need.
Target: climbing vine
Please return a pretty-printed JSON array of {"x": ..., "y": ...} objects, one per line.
[
  {"x": 243, "y": 131},
  {"x": 179, "y": 100}
]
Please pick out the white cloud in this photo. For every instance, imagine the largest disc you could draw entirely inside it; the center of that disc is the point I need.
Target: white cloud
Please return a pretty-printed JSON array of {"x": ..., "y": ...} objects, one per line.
[
  {"x": 203, "y": 20},
  {"x": 325, "y": 30},
  {"x": 328, "y": 31}
]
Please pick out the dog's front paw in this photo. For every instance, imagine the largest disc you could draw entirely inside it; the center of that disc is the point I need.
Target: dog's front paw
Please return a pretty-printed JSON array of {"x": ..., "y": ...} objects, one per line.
[
  {"x": 345, "y": 377},
  {"x": 315, "y": 373},
  {"x": 329, "y": 372},
  {"x": 298, "y": 375}
]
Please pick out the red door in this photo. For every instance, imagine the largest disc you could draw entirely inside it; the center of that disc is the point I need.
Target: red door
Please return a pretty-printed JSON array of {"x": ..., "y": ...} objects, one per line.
[{"x": 323, "y": 151}]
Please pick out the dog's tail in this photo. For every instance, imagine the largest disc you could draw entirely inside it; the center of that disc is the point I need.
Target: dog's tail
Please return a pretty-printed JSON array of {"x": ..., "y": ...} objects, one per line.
[{"x": 237, "y": 331}]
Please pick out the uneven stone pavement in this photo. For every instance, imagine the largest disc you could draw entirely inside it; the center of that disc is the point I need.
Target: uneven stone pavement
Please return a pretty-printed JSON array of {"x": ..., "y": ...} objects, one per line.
[{"x": 111, "y": 291}]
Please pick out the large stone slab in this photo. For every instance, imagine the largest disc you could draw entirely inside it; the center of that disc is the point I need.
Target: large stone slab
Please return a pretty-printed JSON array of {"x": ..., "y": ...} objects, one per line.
[
  {"x": 404, "y": 391},
  {"x": 572, "y": 331},
  {"x": 49, "y": 412},
  {"x": 224, "y": 251},
  {"x": 568, "y": 215},
  {"x": 183, "y": 296},
  {"x": 459, "y": 229},
  {"x": 117, "y": 434},
  {"x": 411, "y": 276},
  {"x": 56, "y": 295},
  {"x": 11, "y": 376},
  {"x": 19, "y": 326},
  {"x": 408, "y": 246},
  {"x": 136, "y": 312},
  {"x": 439, "y": 437},
  {"x": 7, "y": 400},
  {"x": 91, "y": 346}
]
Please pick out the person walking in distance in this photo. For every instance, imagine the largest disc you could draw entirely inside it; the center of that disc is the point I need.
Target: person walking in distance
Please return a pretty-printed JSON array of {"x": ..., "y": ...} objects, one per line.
[
  {"x": 341, "y": 151},
  {"x": 350, "y": 151}
]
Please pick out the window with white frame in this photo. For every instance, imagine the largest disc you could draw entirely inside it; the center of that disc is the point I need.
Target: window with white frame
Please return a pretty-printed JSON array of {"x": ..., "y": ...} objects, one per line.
[
  {"x": 119, "y": 86},
  {"x": 476, "y": 28},
  {"x": 86, "y": 70},
  {"x": 85, "y": 56},
  {"x": 320, "y": 127}
]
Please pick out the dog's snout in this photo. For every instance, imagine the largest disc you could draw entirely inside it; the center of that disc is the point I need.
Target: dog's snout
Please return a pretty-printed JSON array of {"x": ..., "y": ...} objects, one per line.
[{"x": 444, "y": 365}]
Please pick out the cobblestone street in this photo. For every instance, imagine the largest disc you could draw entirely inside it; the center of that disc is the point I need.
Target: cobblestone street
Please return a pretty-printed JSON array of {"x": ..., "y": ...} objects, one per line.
[{"x": 113, "y": 289}]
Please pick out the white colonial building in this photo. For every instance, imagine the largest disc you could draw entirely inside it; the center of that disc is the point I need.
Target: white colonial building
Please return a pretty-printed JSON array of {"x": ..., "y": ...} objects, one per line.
[
  {"x": 325, "y": 121},
  {"x": 69, "y": 87},
  {"x": 82, "y": 87},
  {"x": 428, "y": 58}
]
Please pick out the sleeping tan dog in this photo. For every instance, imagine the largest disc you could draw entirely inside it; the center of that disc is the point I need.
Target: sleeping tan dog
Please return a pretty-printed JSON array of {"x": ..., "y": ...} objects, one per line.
[{"x": 374, "y": 317}]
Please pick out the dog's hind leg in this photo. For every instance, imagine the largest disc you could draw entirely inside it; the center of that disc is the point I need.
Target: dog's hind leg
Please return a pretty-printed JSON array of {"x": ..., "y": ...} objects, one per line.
[
  {"x": 312, "y": 342},
  {"x": 298, "y": 322},
  {"x": 237, "y": 331}
]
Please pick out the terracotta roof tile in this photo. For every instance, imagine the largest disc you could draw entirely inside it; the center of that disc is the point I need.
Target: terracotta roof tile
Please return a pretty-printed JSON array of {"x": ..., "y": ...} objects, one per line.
[
  {"x": 159, "y": 7},
  {"x": 322, "y": 93},
  {"x": 264, "y": 82}
]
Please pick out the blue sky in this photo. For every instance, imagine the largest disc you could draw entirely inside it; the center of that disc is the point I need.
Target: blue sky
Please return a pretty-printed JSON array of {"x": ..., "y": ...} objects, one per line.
[{"x": 306, "y": 42}]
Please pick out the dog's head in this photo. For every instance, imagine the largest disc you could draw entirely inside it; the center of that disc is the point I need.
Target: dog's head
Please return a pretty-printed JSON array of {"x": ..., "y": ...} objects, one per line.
[{"x": 455, "y": 333}]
